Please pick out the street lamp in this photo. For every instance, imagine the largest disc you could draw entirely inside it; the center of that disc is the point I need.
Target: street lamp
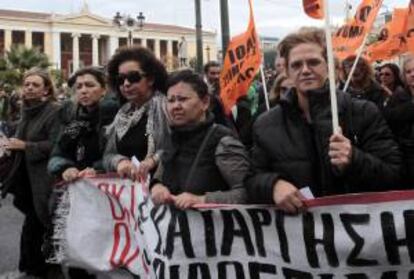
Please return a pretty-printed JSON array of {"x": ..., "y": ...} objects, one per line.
[{"x": 129, "y": 23}]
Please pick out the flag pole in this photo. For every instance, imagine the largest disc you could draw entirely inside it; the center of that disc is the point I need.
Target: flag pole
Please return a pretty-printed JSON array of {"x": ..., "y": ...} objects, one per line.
[
  {"x": 359, "y": 54},
  {"x": 331, "y": 69},
  {"x": 266, "y": 96}
]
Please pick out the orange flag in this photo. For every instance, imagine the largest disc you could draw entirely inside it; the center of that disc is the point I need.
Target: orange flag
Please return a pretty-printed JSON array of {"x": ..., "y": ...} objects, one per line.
[
  {"x": 409, "y": 28},
  {"x": 241, "y": 63},
  {"x": 391, "y": 41},
  {"x": 314, "y": 8},
  {"x": 348, "y": 38}
]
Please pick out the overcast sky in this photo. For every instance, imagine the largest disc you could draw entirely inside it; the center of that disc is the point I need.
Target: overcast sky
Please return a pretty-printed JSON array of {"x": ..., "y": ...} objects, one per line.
[{"x": 273, "y": 17}]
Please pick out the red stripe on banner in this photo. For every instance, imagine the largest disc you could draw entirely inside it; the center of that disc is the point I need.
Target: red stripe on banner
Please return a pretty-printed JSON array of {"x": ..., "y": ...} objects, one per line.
[{"x": 363, "y": 198}]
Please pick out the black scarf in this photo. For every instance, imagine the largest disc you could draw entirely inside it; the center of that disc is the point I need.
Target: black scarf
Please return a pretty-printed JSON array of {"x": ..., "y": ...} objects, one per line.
[{"x": 84, "y": 122}]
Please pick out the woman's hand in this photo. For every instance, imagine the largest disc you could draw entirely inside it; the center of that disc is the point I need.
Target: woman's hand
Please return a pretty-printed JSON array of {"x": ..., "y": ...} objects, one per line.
[
  {"x": 125, "y": 169},
  {"x": 70, "y": 174},
  {"x": 15, "y": 144},
  {"x": 144, "y": 168},
  {"x": 87, "y": 172},
  {"x": 160, "y": 194},
  {"x": 287, "y": 197},
  {"x": 187, "y": 200},
  {"x": 387, "y": 91}
]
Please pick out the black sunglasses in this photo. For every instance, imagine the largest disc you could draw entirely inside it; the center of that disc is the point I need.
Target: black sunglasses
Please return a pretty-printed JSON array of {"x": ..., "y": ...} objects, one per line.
[{"x": 132, "y": 77}]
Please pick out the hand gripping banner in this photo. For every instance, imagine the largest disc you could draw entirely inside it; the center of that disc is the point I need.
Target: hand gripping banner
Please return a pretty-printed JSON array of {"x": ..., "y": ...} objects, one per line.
[{"x": 106, "y": 223}]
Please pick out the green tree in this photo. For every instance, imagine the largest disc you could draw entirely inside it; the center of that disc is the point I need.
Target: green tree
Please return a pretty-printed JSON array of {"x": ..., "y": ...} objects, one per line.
[{"x": 18, "y": 60}]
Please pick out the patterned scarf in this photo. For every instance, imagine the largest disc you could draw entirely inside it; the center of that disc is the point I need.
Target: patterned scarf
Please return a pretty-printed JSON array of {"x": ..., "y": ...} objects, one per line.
[{"x": 128, "y": 116}]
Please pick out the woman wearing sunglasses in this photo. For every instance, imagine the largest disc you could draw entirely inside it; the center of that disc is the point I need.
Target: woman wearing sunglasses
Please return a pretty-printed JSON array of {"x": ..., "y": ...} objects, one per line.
[
  {"x": 140, "y": 126},
  {"x": 389, "y": 76}
]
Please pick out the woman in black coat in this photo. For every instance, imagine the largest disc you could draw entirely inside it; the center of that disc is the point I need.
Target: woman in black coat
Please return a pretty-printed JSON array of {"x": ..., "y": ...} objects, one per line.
[
  {"x": 79, "y": 149},
  {"x": 31, "y": 184},
  {"x": 205, "y": 162},
  {"x": 400, "y": 116}
]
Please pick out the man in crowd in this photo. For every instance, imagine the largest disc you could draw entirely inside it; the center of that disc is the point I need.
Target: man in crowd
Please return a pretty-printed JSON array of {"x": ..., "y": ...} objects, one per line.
[
  {"x": 294, "y": 145},
  {"x": 212, "y": 78},
  {"x": 280, "y": 67}
]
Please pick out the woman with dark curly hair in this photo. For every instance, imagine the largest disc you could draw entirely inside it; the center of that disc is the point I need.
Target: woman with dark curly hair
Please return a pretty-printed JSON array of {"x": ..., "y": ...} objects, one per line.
[
  {"x": 390, "y": 78},
  {"x": 139, "y": 80},
  {"x": 363, "y": 85}
]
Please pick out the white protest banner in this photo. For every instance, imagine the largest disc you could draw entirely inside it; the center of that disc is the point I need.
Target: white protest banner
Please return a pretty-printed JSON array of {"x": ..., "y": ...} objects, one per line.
[{"x": 106, "y": 223}]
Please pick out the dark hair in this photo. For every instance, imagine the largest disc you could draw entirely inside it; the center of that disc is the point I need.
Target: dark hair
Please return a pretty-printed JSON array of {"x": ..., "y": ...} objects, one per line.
[
  {"x": 210, "y": 64},
  {"x": 152, "y": 67},
  {"x": 305, "y": 35},
  {"x": 395, "y": 71},
  {"x": 191, "y": 78},
  {"x": 369, "y": 72},
  {"x": 96, "y": 72}
]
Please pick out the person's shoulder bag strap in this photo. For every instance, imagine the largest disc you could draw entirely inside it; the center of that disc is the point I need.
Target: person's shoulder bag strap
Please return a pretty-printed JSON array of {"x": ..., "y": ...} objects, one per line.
[{"x": 198, "y": 156}]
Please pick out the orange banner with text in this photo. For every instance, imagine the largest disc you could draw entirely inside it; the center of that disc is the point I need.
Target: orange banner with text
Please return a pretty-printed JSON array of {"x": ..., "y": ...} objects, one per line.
[
  {"x": 241, "y": 63},
  {"x": 409, "y": 29},
  {"x": 391, "y": 41},
  {"x": 348, "y": 38},
  {"x": 314, "y": 8}
]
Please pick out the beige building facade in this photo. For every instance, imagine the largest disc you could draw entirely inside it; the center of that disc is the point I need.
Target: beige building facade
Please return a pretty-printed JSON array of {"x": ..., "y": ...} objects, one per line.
[{"x": 82, "y": 39}]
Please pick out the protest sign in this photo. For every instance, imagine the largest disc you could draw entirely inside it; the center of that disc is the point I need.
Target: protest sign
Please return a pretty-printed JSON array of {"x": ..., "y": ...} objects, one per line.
[
  {"x": 241, "y": 63},
  {"x": 107, "y": 223}
]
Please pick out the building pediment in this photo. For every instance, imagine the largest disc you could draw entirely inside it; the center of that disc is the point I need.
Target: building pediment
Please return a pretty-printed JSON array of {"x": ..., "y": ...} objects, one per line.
[{"x": 84, "y": 19}]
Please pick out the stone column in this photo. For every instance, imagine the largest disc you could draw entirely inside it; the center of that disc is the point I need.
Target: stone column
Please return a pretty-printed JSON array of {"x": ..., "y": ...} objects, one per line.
[
  {"x": 56, "y": 49},
  {"x": 95, "y": 50},
  {"x": 28, "y": 39},
  {"x": 157, "y": 48},
  {"x": 48, "y": 45},
  {"x": 170, "y": 57},
  {"x": 144, "y": 42},
  {"x": 7, "y": 39},
  {"x": 75, "y": 51},
  {"x": 113, "y": 45}
]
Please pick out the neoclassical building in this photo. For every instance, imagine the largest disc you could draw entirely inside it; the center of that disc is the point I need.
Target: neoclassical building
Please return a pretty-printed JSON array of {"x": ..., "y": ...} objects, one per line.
[{"x": 82, "y": 39}]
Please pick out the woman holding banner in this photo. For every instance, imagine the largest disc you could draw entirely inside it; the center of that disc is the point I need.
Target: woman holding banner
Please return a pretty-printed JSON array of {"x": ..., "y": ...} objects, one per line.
[
  {"x": 400, "y": 116},
  {"x": 79, "y": 148},
  {"x": 205, "y": 162},
  {"x": 140, "y": 126}
]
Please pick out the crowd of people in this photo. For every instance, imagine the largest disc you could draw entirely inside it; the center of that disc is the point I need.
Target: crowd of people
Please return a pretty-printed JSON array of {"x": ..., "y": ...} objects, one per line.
[{"x": 175, "y": 125}]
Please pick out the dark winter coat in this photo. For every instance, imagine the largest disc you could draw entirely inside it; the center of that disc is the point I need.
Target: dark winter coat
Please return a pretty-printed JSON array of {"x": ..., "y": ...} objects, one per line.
[
  {"x": 82, "y": 138},
  {"x": 38, "y": 127},
  {"x": 220, "y": 171},
  {"x": 400, "y": 116},
  {"x": 287, "y": 147},
  {"x": 373, "y": 93}
]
